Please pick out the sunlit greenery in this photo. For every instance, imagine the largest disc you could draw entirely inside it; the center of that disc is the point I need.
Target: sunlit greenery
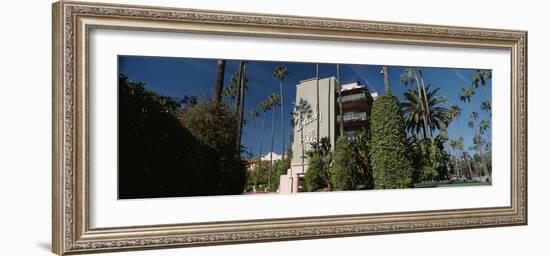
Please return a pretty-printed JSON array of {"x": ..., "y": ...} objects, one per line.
[{"x": 192, "y": 146}]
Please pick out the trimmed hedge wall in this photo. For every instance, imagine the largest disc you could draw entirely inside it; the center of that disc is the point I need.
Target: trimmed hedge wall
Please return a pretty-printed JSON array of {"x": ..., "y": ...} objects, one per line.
[{"x": 390, "y": 165}]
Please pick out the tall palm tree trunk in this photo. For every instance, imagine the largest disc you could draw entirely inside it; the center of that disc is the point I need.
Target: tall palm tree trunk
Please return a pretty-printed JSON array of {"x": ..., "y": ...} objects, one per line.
[
  {"x": 260, "y": 151},
  {"x": 427, "y": 105},
  {"x": 486, "y": 158},
  {"x": 317, "y": 105},
  {"x": 423, "y": 106},
  {"x": 452, "y": 149},
  {"x": 484, "y": 163},
  {"x": 282, "y": 117},
  {"x": 271, "y": 152},
  {"x": 340, "y": 108},
  {"x": 387, "y": 88},
  {"x": 251, "y": 139},
  {"x": 458, "y": 150},
  {"x": 240, "y": 104},
  {"x": 218, "y": 83},
  {"x": 476, "y": 134},
  {"x": 457, "y": 167},
  {"x": 469, "y": 165}
]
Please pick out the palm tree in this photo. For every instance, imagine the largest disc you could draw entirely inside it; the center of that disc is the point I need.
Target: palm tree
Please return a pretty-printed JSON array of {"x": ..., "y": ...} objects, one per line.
[
  {"x": 240, "y": 104},
  {"x": 280, "y": 73},
  {"x": 301, "y": 113},
  {"x": 443, "y": 137},
  {"x": 486, "y": 106},
  {"x": 483, "y": 126},
  {"x": 466, "y": 94},
  {"x": 234, "y": 89},
  {"x": 478, "y": 141},
  {"x": 387, "y": 89},
  {"x": 218, "y": 83},
  {"x": 317, "y": 104},
  {"x": 252, "y": 114},
  {"x": 474, "y": 115},
  {"x": 435, "y": 114},
  {"x": 264, "y": 107},
  {"x": 454, "y": 148},
  {"x": 455, "y": 111},
  {"x": 460, "y": 147},
  {"x": 274, "y": 100},
  {"x": 235, "y": 79},
  {"x": 480, "y": 78},
  {"x": 409, "y": 78},
  {"x": 421, "y": 78},
  {"x": 231, "y": 92}
]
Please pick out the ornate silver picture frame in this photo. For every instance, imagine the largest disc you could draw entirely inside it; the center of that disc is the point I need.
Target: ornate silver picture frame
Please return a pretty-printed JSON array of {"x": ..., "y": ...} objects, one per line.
[{"x": 74, "y": 21}]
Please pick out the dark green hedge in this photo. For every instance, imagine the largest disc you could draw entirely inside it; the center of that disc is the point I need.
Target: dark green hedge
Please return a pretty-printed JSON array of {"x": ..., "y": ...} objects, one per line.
[
  {"x": 344, "y": 167},
  {"x": 160, "y": 157},
  {"x": 390, "y": 164}
]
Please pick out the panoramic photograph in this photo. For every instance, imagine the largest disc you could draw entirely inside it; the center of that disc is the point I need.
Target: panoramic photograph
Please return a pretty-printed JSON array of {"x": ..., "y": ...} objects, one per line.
[{"x": 211, "y": 127}]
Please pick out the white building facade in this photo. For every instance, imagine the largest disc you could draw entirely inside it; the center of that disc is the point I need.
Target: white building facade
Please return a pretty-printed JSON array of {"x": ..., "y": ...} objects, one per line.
[
  {"x": 310, "y": 112},
  {"x": 316, "y": 116}
]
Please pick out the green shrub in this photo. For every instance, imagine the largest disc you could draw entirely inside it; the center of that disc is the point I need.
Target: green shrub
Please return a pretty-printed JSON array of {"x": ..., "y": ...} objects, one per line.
[
  {"x": 313, "y": 178},
  {"x": 440, "y": 160},
  {"x": 360, "y": 150},
  {"x": 344, "y": 166},
  {"x": 429, "y": 173},
  {"x": 319, "y": 161},
  {"x": 215, "y": 125},
  {"x": 390, "y": 165},
  {"x": 414, "y": 153},
  {"x": 350, "y": 170},
  {"x": 258, "y": 177},
  {"x": 429, "y": 158}
]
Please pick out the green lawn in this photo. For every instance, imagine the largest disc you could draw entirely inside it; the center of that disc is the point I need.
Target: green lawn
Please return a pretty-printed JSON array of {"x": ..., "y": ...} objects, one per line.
[{"x": 461, "y": 184}]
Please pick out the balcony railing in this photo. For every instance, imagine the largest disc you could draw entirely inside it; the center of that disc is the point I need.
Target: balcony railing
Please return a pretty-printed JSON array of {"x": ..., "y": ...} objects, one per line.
[
  {"x": 354, "y": 97},
  {"x": 354, "y": 116}
]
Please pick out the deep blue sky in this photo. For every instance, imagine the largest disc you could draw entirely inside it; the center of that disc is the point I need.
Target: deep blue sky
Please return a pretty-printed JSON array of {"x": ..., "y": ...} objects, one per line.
[{"x": 176, "y": 77}]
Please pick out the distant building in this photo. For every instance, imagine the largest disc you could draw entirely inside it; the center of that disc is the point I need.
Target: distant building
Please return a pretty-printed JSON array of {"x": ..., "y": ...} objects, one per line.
[
  {"x": 276, "y": 157},
  {"x": 320, "y": 112},
  {"x": 267, "y": 157}
]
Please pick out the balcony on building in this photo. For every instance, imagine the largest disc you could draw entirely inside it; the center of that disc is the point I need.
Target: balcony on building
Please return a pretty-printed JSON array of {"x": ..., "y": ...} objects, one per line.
[{"x": 356, "y": 102}]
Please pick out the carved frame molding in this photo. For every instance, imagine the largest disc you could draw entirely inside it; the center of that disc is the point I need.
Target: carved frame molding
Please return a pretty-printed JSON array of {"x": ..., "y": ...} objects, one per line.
[{"x": 72, "y": 22}]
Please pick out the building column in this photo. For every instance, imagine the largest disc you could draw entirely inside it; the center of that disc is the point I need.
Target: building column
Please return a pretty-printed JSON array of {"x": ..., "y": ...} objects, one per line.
[{"x": 295, "y": 182}]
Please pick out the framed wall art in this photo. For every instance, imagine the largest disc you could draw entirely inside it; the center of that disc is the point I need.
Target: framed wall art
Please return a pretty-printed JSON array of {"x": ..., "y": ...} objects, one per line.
[{"x": 179, "y": 127}]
